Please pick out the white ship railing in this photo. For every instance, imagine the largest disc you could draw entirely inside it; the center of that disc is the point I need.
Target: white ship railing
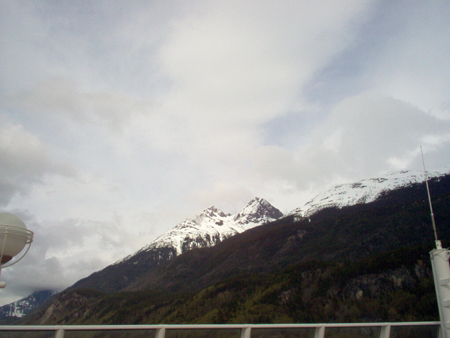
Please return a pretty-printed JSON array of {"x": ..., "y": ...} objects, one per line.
[{"x": 245, "y": 330}]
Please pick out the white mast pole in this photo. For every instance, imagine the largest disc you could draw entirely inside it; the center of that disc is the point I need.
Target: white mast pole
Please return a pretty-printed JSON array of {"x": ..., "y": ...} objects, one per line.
[
  {"x": 438, "y": 242},
  {"x": 441, "y": 270}
]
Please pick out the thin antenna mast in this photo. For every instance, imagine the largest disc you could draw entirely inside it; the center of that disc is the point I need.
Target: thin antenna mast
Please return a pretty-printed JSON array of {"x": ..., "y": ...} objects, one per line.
[{"x": 437, "y": 241}]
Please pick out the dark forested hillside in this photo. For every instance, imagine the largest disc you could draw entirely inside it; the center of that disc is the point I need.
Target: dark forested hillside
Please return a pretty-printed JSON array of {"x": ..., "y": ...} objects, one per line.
[
  {"x": 394, "y": 286},
  {"x": 367, "y": 262},
  {"x": 118, "y": 276}
]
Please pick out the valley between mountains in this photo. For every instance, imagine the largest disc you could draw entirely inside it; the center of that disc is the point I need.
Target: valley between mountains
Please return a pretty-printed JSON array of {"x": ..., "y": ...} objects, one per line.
[{"x": 358, "y": 252}]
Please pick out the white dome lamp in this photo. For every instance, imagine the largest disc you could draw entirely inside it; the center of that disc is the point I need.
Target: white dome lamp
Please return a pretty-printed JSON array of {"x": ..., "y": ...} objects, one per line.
[{"x": 14, "y": 236}]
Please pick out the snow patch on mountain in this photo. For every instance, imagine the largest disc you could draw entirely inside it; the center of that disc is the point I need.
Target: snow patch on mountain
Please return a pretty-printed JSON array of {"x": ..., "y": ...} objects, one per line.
[
  {"x": 364, "y": 191},
  {"x": 24, "y": 306}
]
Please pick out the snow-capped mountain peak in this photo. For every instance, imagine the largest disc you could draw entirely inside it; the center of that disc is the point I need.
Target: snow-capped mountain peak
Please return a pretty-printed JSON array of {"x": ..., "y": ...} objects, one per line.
[
  {"x": 255, "y": 211},
  {"x": 212, "y": 226},
  {"x": 364, "y": 191},
  {"x": 210, "y": 213}
]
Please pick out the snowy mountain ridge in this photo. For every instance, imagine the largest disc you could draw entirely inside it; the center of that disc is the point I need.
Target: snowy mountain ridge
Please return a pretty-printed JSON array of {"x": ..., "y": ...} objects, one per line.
[
  {"x": 211, "y": 227},
  {"x": 364, "y": 191}
]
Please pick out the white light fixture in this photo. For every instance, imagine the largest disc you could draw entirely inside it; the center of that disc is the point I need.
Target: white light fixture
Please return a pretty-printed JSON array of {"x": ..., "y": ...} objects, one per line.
[{"x": 14, "y": 236}]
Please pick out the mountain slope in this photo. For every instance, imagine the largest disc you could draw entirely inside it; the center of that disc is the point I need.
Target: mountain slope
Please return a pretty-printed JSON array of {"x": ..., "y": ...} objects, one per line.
[
  {"x": 397, "y": 218},
  {"x": 207, "y": 229}
]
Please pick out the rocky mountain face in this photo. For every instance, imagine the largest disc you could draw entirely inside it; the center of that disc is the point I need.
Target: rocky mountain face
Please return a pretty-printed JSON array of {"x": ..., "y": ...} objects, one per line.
[
  {"x": 209, "y": 228},
  {"x": 24, "y": 306}
]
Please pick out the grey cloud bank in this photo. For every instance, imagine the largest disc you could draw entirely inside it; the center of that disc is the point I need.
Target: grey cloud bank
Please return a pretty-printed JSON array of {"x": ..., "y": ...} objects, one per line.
[{"x": 120, "y": 119}]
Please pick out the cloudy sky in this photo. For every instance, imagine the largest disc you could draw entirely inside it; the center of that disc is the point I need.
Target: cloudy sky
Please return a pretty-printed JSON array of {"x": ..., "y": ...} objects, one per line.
[{"x": 119, "y": 119}]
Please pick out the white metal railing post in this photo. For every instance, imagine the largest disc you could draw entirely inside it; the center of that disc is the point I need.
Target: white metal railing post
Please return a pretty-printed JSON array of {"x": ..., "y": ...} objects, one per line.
[
  {"x": 441, "y": 274},
  {"x": 385, "y": 331},
  {"x": 320, "y": 332},
  {"x": 245, "y": 329},
  {"x": 246, "y": 332},
  {"x": 59, "y": 333},
  {"x": 160, "y": 333}
]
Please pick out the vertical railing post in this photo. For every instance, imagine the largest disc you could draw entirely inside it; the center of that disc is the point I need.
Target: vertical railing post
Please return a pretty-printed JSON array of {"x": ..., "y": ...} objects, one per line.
[
  {"x": 59, "y": 333},
  {"x": 246, "y": 332},
  {"x": 160, "y": 333},
  {"x": 320, "y": 332},
  {"x": 385, "y": 331}
]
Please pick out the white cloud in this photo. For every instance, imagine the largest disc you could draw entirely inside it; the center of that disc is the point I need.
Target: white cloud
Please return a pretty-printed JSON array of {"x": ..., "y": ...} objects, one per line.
[
  {"x": 248, "y": 65},
  {"x": 372, "y": 129},
  {"x": 57, "y": 98},
  {"x": 227, "y": 196},
  {"x": 413, "y": 64},
  {"x": 363, "y": 136},
  {"x": 23, "y": 161}
]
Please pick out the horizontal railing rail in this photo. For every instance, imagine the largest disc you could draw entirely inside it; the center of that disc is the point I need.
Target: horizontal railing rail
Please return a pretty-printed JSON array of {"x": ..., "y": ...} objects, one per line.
[{"x": 245, "y": 329}]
